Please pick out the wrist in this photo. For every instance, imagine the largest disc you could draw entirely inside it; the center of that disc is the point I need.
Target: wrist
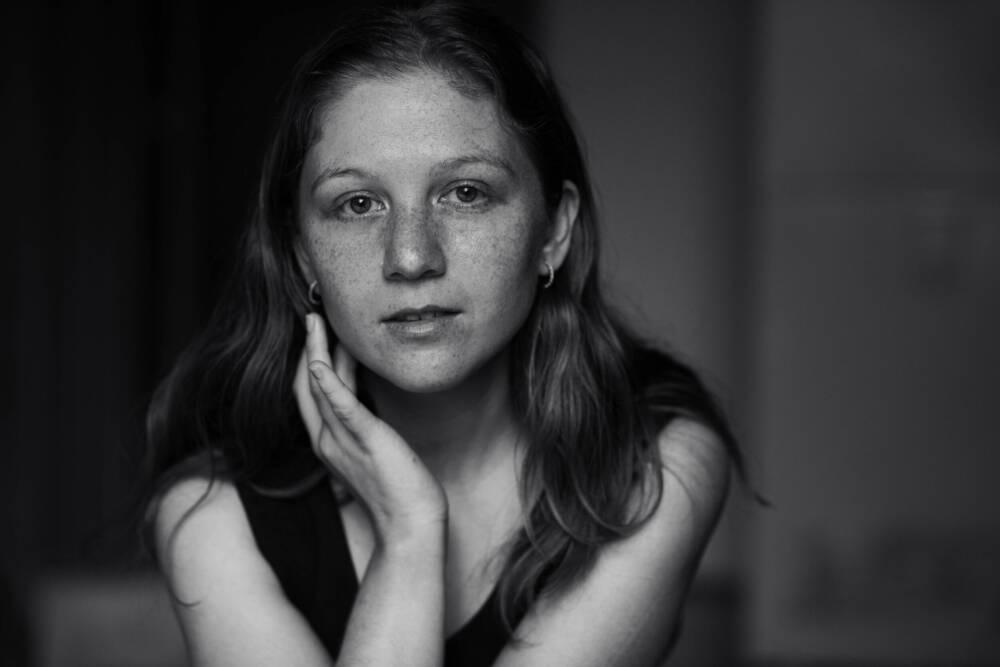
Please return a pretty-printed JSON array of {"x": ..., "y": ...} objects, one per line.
[{"x": 413, "y": 539}]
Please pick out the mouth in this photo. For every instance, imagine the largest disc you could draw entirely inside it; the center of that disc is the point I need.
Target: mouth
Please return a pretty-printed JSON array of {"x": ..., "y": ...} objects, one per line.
[{"x": 426, "y": 313}]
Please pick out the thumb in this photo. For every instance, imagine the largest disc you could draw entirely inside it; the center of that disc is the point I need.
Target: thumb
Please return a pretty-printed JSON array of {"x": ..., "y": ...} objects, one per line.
[
  {"x": 346, "y": 407},
  {"x": 346, "y": 367},
  {"x": 307, "y": 405}
]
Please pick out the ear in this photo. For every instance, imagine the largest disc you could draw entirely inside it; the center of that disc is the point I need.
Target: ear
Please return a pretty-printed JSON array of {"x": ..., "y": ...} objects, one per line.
[
  {"x": 561, "y": 229},
  {"x": 302, "y": 258}
]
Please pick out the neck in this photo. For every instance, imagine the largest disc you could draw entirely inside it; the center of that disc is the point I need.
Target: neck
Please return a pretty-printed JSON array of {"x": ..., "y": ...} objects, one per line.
[{"x": 458, "y": 432}]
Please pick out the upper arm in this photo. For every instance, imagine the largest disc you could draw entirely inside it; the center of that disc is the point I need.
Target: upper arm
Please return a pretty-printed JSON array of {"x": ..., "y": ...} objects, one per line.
[
  {"x": 623, "y": 611},
  {"x": 230, "y": 604}
]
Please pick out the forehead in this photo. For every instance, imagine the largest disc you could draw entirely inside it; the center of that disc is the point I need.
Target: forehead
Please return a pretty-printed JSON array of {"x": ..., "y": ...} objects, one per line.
[{"x": 409, "y": 120}]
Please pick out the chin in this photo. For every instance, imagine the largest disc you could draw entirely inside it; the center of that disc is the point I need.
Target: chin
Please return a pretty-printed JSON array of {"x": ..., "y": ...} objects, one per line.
[
  {"x": 427, "y": 385},
  {"x": 416, "y": 383},
  {"x": 435, "y": 378}
]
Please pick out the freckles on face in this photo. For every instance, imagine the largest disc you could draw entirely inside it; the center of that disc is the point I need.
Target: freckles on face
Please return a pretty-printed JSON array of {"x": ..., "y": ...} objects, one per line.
[{"x": 422, "y": 218}]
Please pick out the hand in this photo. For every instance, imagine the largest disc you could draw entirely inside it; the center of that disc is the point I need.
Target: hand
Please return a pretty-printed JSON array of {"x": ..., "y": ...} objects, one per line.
[{"x": 402, "y": 496}]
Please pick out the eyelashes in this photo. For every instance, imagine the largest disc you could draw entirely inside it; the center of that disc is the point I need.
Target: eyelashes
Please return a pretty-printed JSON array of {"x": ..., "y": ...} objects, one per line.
[
  {"x": 461, "y": 196},
  {"x": 362, "y": 205},
  {"x": 466, "y": 194}
]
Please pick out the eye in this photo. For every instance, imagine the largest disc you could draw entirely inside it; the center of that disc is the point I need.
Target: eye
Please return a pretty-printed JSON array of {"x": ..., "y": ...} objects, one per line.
[
  {"x": 466, "y": 194},
  {"x": 358, "y": 205}
]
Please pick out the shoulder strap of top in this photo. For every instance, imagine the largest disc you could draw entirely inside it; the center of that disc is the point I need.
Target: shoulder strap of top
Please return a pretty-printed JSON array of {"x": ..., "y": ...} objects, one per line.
[
  {"x": 303, "y": 540},
  {"x": 480, "y": 640}
]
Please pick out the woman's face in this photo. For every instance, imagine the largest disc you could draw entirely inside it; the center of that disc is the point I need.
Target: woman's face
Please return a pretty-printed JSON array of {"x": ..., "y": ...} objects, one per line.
[{"x": 424, "y": 222}]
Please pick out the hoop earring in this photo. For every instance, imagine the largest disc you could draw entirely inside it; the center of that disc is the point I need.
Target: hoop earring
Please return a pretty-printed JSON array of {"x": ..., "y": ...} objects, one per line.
[
  {"x": 313, "y": 296},
  {"x": 551, "y": 277}
]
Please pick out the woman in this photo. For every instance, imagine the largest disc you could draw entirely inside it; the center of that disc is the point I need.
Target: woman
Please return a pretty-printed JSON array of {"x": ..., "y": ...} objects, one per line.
[{"x": 413, "y": 433}]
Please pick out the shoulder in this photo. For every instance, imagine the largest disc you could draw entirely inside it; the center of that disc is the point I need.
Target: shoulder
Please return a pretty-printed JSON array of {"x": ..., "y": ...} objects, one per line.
[
  {"x": 204, "y": 544},
  {"x": 203, "y": 538},
  {"x": 229, "y": 602},
  {"x": 693, "y": 478},
  {"x": 623, "y": 610},
  {"x": 194, "y": 503},
  {"x": 695, "y": 467}
]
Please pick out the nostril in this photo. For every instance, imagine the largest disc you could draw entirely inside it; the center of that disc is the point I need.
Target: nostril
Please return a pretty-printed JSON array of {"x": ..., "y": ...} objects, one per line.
[{"x": 415, "y": 272}]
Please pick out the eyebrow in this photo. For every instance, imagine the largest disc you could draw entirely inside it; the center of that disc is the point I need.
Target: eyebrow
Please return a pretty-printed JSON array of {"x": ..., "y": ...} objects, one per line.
[
  {"x": 477, "y": 158},
  {"x": 474, "y": 158},
  {"x": 335, "y": 172}
]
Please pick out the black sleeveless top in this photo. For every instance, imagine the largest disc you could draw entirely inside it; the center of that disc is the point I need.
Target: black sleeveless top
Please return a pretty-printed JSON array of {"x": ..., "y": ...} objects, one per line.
[{"x": 302, "y": 538}]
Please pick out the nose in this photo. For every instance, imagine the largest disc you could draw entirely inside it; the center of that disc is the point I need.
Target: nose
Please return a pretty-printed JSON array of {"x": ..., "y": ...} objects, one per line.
[{"x": 413, "y": 247}]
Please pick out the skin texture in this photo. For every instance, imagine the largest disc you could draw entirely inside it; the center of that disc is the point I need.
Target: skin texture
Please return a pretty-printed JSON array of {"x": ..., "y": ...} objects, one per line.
[{"x": 384, "y": 226}]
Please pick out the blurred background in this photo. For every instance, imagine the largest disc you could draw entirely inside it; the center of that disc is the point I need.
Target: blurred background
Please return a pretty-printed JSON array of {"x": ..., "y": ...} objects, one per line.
[{"x": 801, "y": 197}]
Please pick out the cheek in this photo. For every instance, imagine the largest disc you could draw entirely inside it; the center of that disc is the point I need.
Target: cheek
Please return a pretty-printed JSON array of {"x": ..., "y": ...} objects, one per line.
[
  {"x": 342, "y": 279},
  {"x": 505, "y": 264}
]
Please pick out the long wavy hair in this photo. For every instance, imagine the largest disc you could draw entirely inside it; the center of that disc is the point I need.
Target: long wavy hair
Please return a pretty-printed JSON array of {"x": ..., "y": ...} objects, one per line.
[{"x": 591, "y": 395}]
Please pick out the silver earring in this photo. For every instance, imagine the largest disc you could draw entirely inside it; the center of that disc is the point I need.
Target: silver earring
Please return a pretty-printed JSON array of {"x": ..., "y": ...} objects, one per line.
[
  {"x": 313, "y": 295},
  {"x": 551, "y": 277}
]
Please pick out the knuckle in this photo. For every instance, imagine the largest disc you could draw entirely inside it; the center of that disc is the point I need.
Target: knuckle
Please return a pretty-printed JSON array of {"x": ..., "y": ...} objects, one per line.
[
  {"x": 329, "y": 450},
  {"x": 344, "y": 414},
  {"x": 316, "y": 390}
]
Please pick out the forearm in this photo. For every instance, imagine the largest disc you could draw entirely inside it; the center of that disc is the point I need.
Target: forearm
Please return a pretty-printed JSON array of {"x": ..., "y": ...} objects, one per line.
[{"x": 398, "y": 615}]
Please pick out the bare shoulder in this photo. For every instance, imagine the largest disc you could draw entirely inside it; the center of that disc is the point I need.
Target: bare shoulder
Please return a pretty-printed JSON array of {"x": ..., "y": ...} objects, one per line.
[
  {"x": 195, "y": 496},
  {"x": 696, "y": 465},
  {"x": 203, "y": 536},
  {"x": 230, "y": 604},
  {"x": 695, "y": 471}
]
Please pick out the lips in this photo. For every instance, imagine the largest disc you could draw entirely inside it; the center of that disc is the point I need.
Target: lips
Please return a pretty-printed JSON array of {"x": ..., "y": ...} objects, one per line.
[{"x": 430, "y": 312}]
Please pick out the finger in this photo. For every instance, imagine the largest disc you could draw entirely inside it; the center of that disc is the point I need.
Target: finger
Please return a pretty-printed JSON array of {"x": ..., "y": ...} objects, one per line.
[
  {"x": 346, "y": 367},
  {"x": 330, "y": 450},
  {"x": 327, "y": 441},
  {"x": 328, "y": 415},
  {"x": 308, "y": 410},
  {"x": 317, "y": 350},
  {"x": 345, "y": 405},
  {"x": 335, "y": 457},
  {"x": 317, "y": 347}
]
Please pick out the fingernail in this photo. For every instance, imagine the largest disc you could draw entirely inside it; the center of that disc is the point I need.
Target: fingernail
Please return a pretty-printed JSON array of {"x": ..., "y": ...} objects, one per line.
[
  {"x": 309, "y": 322},
  {"x": 314, "y": 370}
]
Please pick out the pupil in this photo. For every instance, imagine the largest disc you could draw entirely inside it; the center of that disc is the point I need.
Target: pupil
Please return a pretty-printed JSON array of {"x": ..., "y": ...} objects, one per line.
[
  {"x": 361, "y": 204},
  {"x": 466, "y": 193}
]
